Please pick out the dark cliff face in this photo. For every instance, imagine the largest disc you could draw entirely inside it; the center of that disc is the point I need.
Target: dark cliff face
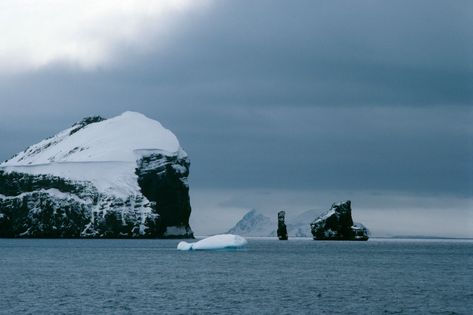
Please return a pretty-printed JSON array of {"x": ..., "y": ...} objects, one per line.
[
  {"x": 29, "y": 207},
  {"x": 337, "y": 224},
  {"x": 163, "y": 181},
  {"x": 50, "y": 206}
]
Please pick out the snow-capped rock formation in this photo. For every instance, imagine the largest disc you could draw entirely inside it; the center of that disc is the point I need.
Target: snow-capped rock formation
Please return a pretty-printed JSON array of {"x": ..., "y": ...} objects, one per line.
[
  {"x": 255, "y": 223},
  {"x": 119, "y": 177},
  {"x": 337, "y": 224}
]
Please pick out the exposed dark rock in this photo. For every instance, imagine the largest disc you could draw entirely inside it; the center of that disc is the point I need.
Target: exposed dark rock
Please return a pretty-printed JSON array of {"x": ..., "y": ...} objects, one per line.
[
  {"x": 163, "y": 180},
  {"x": 282, "y": 230},
  {"x": 29, "y": 207},
  {"x": 337, "y": 224},
  {"x": 50, "y": 206},
  {"x": 84, "y": 122}
]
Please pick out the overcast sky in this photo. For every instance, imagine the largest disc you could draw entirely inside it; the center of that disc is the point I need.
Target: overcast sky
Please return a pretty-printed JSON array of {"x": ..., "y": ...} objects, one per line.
[{"x": 278, "y": 103}]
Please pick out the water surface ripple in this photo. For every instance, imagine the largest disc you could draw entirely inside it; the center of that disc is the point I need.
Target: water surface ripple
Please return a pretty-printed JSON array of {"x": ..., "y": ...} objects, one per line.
[{"x": 50, "y": 276}]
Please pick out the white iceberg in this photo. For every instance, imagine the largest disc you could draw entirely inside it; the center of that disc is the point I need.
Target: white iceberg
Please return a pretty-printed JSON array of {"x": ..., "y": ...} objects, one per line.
[{"x": 221, "y": 241}]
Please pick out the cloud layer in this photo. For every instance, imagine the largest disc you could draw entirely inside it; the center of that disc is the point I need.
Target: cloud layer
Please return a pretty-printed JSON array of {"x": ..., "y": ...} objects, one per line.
[{"x": 79, "y": 33}]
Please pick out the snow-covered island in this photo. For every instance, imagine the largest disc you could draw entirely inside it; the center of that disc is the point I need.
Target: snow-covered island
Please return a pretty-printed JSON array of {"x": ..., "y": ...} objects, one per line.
[{"x": 119, "y": 177}]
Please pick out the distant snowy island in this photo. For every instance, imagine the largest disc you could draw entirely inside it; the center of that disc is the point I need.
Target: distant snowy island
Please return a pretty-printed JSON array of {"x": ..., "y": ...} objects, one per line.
[
  {"x": 119, "y": 177},
  {"x": 333, "y": 224},
  {"x": 256, "y": 224}
]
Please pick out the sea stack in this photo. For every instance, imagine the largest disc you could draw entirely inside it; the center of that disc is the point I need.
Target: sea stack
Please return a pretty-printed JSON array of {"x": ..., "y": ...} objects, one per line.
[
  {"x": 337, "y": 224},
  {"x": 119, "y": 177},
  {"x": 282, "y": 229}
]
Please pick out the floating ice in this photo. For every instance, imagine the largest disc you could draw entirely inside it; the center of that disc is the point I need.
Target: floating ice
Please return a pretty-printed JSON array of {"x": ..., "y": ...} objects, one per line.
[{"x": 221, "y": 241}]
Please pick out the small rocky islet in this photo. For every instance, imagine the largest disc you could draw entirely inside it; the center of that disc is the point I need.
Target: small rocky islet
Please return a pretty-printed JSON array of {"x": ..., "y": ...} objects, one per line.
[
  {"x": 282, "y": 229},
  {"x": 337, "y": 224}
]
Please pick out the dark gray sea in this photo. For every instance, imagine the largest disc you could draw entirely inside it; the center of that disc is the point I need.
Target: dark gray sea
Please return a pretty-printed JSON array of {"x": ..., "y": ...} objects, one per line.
[{"x": 50, "y": 276}]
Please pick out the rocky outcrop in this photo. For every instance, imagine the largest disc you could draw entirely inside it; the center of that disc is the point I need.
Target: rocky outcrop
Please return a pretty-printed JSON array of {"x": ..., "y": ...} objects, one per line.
[
  {"x": 163, "y": 181},
  {"x": 337, "y": 224},
  {"x": 99, "y": 178},
  {"x": 282, "y": 229}
]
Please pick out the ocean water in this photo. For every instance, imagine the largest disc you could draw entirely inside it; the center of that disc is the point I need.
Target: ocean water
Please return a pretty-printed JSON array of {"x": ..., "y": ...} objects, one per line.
[{"x": 49, "y": 276}]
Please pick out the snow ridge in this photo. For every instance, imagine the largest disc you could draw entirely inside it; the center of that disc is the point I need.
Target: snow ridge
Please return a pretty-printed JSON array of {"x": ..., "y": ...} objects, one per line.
[{"x": 103, "y": 152}]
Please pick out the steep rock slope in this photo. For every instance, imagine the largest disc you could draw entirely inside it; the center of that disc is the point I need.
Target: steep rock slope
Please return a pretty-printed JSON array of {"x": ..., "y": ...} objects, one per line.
[{"x": 121, "y": 177}]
